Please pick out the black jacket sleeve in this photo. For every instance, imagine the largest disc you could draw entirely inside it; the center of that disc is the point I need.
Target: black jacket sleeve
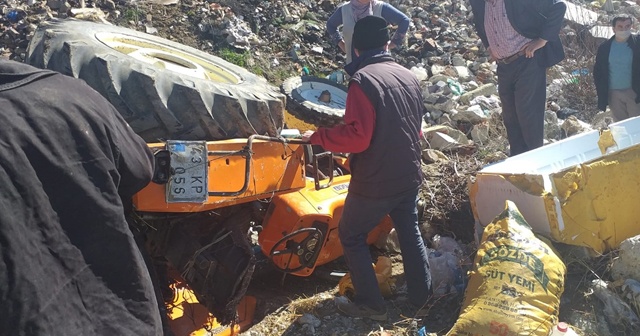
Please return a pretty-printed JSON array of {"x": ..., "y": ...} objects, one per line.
[
  {"x": 477, "y": 6},
  {"x": 134, "y": 159},
  {"x": 601, "y": 74}
]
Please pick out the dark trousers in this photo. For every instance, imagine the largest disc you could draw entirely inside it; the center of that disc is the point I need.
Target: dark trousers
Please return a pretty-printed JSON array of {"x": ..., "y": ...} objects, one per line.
[
  {"x": 360, "y": 215},
  {"x": 522, "y": 87}
]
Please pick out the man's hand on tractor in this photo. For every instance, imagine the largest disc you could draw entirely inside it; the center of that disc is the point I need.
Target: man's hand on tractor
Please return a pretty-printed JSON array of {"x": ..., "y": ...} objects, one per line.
[{"x": 306, "y": 136}]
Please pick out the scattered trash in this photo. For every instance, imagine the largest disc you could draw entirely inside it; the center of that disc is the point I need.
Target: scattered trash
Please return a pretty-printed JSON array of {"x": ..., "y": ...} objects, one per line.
[
  {"x": 456, "y": 88},
  {"x": 631, "y": 291},
  {"x": 617, "y": 312},
  {"x": 13, "y": 15},
  {"x": 337, "y": 76},
  {"x": 562, "y": 329},
  {"x": 447, "y": 276}
]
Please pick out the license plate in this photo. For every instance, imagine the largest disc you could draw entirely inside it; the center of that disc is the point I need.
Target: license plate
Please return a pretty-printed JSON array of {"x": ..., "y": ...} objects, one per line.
[{"x": 188, "y": 182}]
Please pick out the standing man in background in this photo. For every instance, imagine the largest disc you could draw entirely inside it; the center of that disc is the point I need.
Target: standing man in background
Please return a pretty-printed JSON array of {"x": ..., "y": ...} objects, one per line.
[
  {"x": 616, "y": 72},
  {"x": 522, "y": 37},
  {"x": 350, "y": 12},
  {"x": 381, "y": 131}
]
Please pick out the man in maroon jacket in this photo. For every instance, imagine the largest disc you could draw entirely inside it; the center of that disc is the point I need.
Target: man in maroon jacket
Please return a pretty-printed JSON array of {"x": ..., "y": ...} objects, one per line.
[{"x": 381, "y": 131}]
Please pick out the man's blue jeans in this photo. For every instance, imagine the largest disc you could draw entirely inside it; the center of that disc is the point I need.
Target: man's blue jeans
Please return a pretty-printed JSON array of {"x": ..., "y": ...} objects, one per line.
[{"x": 360, "y": 215}]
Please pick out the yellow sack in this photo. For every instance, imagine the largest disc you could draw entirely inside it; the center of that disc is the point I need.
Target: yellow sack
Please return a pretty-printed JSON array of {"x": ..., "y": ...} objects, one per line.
[
  {"x": 383, "y": 274},
  {"x": 516, "y": 283}
]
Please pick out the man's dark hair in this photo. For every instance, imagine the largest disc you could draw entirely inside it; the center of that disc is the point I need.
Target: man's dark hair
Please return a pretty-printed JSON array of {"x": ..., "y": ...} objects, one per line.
[{"x": 621, "y": 17}]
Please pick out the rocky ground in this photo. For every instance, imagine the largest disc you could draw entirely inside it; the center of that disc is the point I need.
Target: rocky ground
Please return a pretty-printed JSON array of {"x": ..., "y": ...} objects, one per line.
[{"x": 463, "y": 131}]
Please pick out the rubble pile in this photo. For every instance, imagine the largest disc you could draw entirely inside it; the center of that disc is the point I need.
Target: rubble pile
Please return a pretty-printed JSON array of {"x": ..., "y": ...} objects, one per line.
[{"x": 441, "y": 47}]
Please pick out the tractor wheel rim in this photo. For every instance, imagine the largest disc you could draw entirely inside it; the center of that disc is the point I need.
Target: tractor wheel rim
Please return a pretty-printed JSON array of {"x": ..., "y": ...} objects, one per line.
[{"x": 166, "y": 57}]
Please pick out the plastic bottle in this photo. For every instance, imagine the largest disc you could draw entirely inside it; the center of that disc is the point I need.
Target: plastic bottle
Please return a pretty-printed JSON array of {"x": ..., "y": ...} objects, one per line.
[{"x": 562, "y": 329}]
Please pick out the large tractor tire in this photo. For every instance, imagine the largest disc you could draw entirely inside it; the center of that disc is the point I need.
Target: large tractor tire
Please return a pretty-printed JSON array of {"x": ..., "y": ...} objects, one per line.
[
  {"x": 165, "y": 90},
  {"x": 315, "y": 100}
]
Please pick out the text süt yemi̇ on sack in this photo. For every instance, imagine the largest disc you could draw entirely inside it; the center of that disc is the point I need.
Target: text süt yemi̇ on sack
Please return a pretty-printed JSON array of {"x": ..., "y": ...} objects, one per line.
[{"x": 516, "y": 283}]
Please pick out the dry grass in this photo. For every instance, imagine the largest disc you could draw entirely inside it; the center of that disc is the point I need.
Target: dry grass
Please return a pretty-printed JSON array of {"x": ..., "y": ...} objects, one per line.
[
  {"x": 283, "y": 318},
  {"x": 446, "y": 194},
  {"x": 496, "y": 148}
]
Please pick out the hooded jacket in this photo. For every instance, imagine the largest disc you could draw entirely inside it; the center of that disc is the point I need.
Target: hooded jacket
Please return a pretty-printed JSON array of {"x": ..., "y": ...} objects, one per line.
[{"x": 69, "y": 264}]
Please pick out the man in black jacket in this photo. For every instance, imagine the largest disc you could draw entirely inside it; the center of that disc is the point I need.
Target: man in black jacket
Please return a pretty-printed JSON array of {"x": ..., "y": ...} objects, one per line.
[
  {"x": 69, "y": 264},
  {"x": 522, "y": 37},
  {"x": 616, "y": 72},
  {"x": 382, "y": 119}
]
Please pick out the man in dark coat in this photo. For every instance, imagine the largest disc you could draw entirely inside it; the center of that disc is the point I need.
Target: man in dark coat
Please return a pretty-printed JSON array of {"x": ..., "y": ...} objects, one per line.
[
  {"x": 616, "y": 72},
  {"x": 522, "y": 37},
  {"x": 68, "y": 162}
]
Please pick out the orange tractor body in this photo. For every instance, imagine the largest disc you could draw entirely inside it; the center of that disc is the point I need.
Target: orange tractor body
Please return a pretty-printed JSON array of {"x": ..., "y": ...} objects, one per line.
[
  {"x": 300, "y": 229},
  {"x": 205, "y": 196}
]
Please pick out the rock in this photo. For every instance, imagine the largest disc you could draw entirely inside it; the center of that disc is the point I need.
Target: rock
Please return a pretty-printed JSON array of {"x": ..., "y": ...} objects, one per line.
[
  {"x": 473, "y": 114},
  {"x": 445, "y": 119},
  {"x": 457, "y": 135},
  {"x": 431, "y": 98},
  {"x": 553, "y": 106},
  {"x": 463, "y": 73},
  {"x": 310, "y": 320},
  {"x": 150, "y": 29},
  {"x": 89, "y": 14},
  {"x": 625, "y": 266},
  {"x": 472, "y": 85},
  {"x": 483, "y": 90},
  {"x": 437, "y": 69},
  {"x": 441, "y": 141},
  {"x": 495, "y": 157},
  {"x": 551, "y": 126},
  {"x": 457, "y": 60},
  {"x": 55, "y": 4},
  {"x": 433, "y": 155},
  {"x": 420, "y": 72},
  {"x": 436, "y": 114},
  {"x": 439, "y": 78},
  {"x": 572, "y": 126},
  {"x": 480, "y": 133},
  {"x": 602, "y": 120},
  {"x": 564, "y": 113}
]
